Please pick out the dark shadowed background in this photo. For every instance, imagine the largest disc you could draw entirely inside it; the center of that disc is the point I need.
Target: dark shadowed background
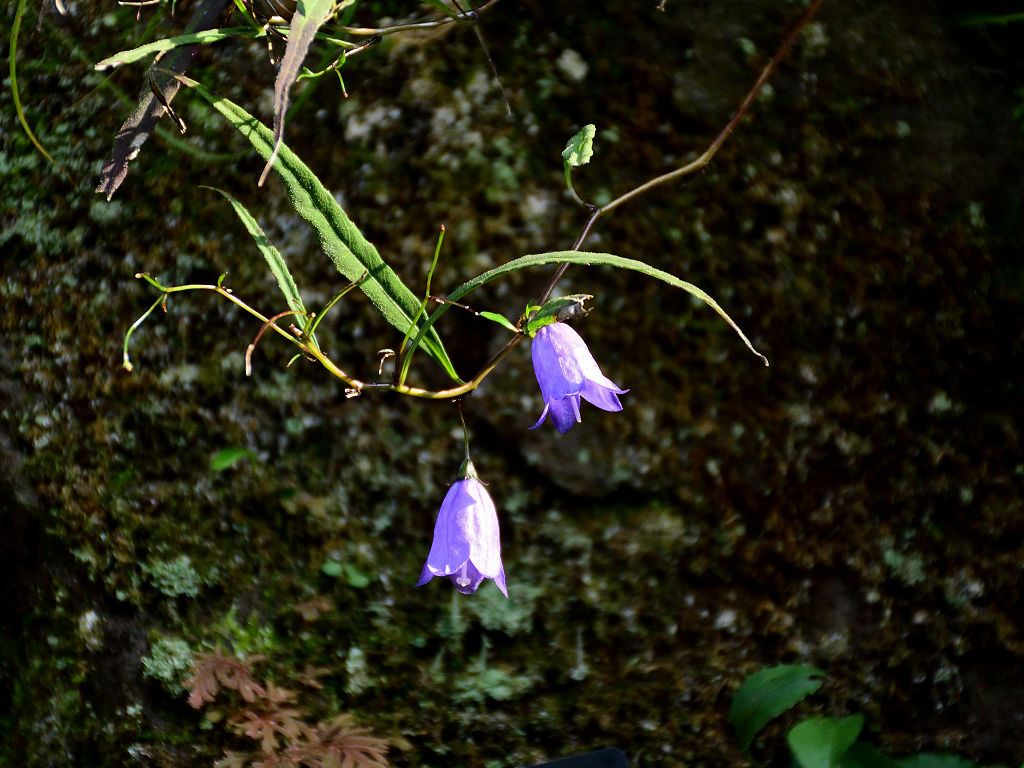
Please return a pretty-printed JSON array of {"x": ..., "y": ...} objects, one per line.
[{"x": 856, "y": 506}]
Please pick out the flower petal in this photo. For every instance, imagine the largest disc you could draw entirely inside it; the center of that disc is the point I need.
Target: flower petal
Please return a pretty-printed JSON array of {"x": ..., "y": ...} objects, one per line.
[
  {"x": 467, "y": 579},
  {"x": 500, "y": 581},
  {"x": 565, "y": 413},
  {"x": 602, "y": 395}
]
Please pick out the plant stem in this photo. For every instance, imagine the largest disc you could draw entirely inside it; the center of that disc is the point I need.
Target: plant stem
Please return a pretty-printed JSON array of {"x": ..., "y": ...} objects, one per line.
[{"x": 695, "y": 165}]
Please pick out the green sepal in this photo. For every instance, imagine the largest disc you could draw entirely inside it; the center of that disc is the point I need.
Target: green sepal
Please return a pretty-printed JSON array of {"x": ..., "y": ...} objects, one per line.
[
  {"x": 467, "y": 471},
  {"x": 557, "y": 311}
]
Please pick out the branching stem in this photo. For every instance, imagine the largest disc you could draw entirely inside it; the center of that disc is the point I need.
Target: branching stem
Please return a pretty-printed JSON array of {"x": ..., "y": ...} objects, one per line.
[
  {"x": 695, "y": 165},
  {"x": 355, "y": 385}
]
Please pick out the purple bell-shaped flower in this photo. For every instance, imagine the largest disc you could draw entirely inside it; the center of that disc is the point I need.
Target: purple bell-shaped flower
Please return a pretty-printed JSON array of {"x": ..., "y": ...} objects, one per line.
[
  {"x": 467, "y": 544},
  {"x": 566, "y": 371}
]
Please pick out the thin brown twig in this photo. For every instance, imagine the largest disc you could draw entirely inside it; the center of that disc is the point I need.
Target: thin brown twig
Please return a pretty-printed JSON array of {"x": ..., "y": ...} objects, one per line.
[
  {"x": 356, "y": 386},
  {"x": 597, "y": 212},
  {"x": 469, "y": 16},
  {"x": 270, "y": 321},
  {"x": 697, "y": 164}
]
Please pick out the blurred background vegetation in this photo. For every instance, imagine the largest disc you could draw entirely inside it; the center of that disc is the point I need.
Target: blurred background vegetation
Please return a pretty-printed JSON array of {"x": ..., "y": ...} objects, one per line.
[{"x": 857, "y": 506}]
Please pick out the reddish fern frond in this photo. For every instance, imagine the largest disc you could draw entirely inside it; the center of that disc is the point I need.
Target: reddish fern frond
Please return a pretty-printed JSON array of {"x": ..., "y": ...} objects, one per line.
[
  {"x": 211, "y": 671},
  {"x": 202, "y": 685},
  {"x": 233, "y": 760},
  {"x": 289, "y": 758},
  {"x": 265, "y": 727},
  {"x": 235, "y": 674},
  {"x": 311, "y": 676},
  {"x": 342, "y": 744},
  {"x": 276, "y": 696}
]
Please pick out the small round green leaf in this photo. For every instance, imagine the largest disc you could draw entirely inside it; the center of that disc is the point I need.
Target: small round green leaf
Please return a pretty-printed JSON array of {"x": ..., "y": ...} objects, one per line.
[
  {"x": 355, "y": 578},
  {"x": 331, "y": 568}
]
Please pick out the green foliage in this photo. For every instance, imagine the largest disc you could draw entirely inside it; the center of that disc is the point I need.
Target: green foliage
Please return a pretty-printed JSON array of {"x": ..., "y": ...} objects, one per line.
[
  {"x": 577, "y": 152},
  {"x": 585, "y": 258},
  {"x": 226, "y": 458},
  {"x": 767, "y": 694},
  {"x": 202, "y": 37},
  {"x": 501, "y": 320},
  {"x": 821, "y": 742},
  {"x": 309, "y": 16},
  {"x": 512, "y": 617},
  {"x": 908, "y": 569},
  {"x": 816, "y": 742},
  {"x": 484, "y": 681},
  {"x": 580, "y": 148},
  {"x": 247, "y": 640},
  {"x": 352, "y": 575},
  {"x": 353, "y": 255},
  {"x": 277, "y": 265},
  {"x": 557, "y": 310}
]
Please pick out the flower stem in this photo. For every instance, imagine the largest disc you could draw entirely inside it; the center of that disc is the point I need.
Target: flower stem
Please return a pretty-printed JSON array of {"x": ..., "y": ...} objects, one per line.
[{"x": 695, "y": 165}]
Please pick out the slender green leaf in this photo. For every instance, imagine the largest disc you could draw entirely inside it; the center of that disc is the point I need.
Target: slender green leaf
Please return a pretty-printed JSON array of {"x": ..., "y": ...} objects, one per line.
[
  {"x": 821, "y": 742},
  {"x": 767, "y": 694},
  {"x": 203, "y": 37},
  {"x": 988, "y": 19},
  {"x": 501, "y": 320},
  {"x": 580, "y": 148},
  {"x": 576, "y": 257},
  {"x": 309, "y": 16},
  {"x": 274, "y": 260},
  {"x": 351, "y": 253}
]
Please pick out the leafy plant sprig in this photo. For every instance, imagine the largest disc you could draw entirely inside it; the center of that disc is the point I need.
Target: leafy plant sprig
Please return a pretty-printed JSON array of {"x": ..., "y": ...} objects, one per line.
[{"x": 815, "y": 742}]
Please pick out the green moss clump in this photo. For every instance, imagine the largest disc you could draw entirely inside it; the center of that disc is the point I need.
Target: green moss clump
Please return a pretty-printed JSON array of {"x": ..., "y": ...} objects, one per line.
[{"x": 168, "y": 660}]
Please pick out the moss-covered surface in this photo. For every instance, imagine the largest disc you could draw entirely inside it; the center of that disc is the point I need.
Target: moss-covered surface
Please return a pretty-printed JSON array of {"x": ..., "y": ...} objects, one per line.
[{"x": 856, "y": 506}]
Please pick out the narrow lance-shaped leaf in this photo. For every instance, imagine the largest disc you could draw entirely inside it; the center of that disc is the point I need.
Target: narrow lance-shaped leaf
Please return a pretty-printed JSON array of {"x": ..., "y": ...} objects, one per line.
[
  {"x": 574, "y": 257},
  {"x": 309, "y": 16},
  {"x": 352, "y": 254},
  {"x": 274, "y": 260},
  {"x": 203, "y": 37},
  {"x": 140, "y": 124}
]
